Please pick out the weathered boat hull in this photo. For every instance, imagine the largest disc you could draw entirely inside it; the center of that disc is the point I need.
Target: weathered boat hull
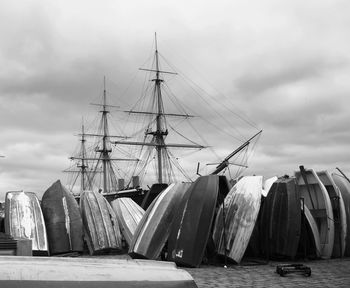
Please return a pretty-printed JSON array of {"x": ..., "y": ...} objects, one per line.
[
  {"x": 54, "y": 272},
  {"x": 317, "y": 200},
  {"x": 193, "y": 221},
  {"x": 63, "y": 221},
  {"x": 310, "y": 236},
  {"x": 344, "y": 187},
  {"x": 239, "y": 213},
  {"x": 339, "y": 214},
  {"x": 129, "y": 215},
  {"x": 24, "y": 219},
  {"x": 281, "y": 219},
  {"x": 100, "y": 224},
  {"x": 154, "y": 228}
]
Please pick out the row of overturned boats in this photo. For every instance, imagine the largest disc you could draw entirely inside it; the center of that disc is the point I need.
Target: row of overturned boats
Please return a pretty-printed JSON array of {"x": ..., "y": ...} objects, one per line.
[{"x": 302, "y": 216}]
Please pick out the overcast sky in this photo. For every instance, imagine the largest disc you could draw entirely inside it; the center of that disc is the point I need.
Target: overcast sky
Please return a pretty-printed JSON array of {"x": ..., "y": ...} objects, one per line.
[{"x": 282, "y": 65}]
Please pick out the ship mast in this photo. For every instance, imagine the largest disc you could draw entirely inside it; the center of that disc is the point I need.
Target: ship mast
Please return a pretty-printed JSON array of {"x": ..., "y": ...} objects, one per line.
[
  {"x": 161, "y": 131},
  {"x": 83, "y": 166},
  {"x": 85, "y": 181},
  {"x": 103, "y": 149}
]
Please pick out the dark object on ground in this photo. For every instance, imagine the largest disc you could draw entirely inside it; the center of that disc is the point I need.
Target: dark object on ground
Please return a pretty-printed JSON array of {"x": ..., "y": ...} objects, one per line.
[{"x": 284, "y": 269}]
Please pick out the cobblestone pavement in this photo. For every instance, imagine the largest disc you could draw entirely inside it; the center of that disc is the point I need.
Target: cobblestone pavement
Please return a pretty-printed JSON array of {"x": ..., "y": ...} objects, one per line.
[{"x": 325, "y": 273}]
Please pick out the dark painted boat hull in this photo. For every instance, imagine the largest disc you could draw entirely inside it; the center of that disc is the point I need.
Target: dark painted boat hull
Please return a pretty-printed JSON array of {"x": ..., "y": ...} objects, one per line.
[
  {"x": 63, "y": 221},
  {"x": 154, "y": 228},
  {"x": 100, "y": 224},
  {"x": 193, "y": 221},
  {"x": 281, "y": 219},
  {"x": 65, "y": 272},
  {"x": 24, "y": 219}
]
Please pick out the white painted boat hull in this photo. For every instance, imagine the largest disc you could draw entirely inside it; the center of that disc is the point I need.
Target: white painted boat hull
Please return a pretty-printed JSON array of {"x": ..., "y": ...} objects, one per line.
[
  {"x": 129, "y": 215},
  {"x": 339, "y": 213},
  {"x": 242, "y": 206},
  {"x": 90, "y": 272},
  {"x": 24, "y": 219},
  {"x": 320, "y": 206}
]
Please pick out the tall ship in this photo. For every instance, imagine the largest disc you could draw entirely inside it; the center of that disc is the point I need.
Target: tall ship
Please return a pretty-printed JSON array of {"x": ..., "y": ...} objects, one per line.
[{"x": 148, "y": 154}]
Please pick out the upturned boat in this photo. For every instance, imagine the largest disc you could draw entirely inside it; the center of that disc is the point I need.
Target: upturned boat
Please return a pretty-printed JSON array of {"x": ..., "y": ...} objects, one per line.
[
  {"x": 339, "y": 213},
  {"x": 280, "y": 223},
  {"x": 101, "y": 227},
  {"x": 58, "y": 272},
  {"x": 193, "y": 222},
  {"x": 129, "y": 215},
  {"x": 316, "y": 199},
  {"x": 154, "y": 228},
  {"x": 343, "y": 184},
  {"x": 236, "y": 218},
  {"x": 24, "y": 219},
  {"x": 63, "y": 221}
]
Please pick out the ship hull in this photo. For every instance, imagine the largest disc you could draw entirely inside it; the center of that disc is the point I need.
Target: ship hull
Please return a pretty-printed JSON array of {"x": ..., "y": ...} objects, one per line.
[
  {"x": 63, "y": 221},
  {"x": 239, "y": 213},
  {"x": 129, "y": 215},
  {"x": 344, "y": 187},
  {"x": 101, "y": 227},
  {"x": 193, "y": 222},
  {"x": 30, "y": 272},
  {"x": 154, "y": 228},
  {"x": 24, "y": 219},
  {"x": 317, "y": 200},
  {"x": 339, "y": 214},
  {"x": 281, "y": 219}
]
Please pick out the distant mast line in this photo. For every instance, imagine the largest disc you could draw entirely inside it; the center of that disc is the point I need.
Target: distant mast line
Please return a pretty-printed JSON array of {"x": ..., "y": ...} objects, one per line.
[
  {"x": 83, "y": 166},
  {"x": 161, "y": 130},
  {"x": 105, "y": 151},
  {"x": 85, "y": 182}
]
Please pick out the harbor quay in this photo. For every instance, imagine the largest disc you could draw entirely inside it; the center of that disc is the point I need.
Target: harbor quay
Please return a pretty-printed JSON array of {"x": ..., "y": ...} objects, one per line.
[{"x": 325, "y": 273}]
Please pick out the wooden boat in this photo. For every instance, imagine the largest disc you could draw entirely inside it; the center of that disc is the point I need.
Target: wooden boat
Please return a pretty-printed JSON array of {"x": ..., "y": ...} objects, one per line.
[
  {"x": 317, "y": 200},
  {"x": 310, "y": 236},
  {"x": 339, "y": 214},
  {"x": 101, "y": 227},
  {"x": 24, "y": 219},
  {"x": 193, "y": 221},
  {"x": 239, "y": 213},
  {"x": 344, "y": 186},
  {"x": 129, "y": 215},
  {"x": 63, "y": 221},
  {"x": 30, "y": 272},
  {"x": 267, "y": 185},
  {"x": 280, "y": 223},
  {"x": 154, "y": 228}
]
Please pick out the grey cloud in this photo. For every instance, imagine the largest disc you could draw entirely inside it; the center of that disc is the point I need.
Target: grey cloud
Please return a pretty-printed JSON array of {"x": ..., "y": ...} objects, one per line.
[{"x": 286, "y": 72}]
